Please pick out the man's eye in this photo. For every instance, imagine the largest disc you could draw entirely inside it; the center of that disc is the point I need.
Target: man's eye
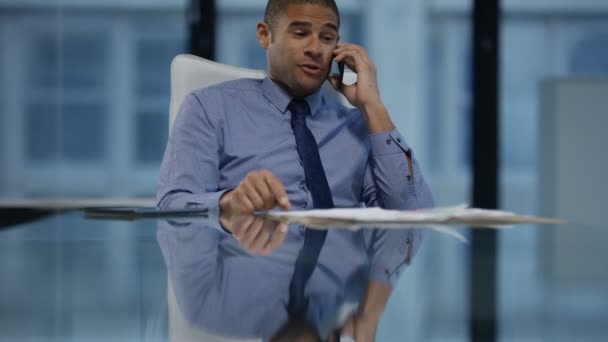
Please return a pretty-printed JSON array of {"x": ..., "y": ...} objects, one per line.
[{"x": 300, "y": 33}]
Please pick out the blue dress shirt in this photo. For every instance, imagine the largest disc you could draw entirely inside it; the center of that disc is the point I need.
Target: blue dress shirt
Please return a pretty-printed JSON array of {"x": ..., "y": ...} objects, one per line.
[
  {"x": 227, "y": 130},
  {"x": 223, "y": 291}
]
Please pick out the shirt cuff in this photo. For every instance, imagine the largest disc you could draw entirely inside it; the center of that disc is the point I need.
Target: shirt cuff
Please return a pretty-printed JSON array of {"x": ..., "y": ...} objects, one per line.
[
  {"x": 388, "y": 262},
  {"x": 391, "y": 154},
  {"x": 386, "y": 143},
  {"x": 208, "y": 200}
]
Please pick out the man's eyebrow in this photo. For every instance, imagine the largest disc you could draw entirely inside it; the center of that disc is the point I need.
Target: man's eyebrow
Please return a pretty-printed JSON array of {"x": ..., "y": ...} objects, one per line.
[
  {"x": 307, "y": 24},
  {"x": 331, "y": 26},
  {"x": 300, "y": 24}
]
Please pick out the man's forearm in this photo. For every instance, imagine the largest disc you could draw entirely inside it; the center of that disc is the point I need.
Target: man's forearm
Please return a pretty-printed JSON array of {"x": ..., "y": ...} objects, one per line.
[
  {"x": 377, "y": 119},
  {"x": 374, "y": 300}
]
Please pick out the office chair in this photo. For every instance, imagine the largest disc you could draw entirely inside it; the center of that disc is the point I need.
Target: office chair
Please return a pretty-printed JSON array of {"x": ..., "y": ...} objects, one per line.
[{"x": 190, "y": 72}]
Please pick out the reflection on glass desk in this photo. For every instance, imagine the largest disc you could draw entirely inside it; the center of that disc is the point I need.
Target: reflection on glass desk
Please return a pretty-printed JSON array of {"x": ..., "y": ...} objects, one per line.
[{"x": 66, "y": 278}]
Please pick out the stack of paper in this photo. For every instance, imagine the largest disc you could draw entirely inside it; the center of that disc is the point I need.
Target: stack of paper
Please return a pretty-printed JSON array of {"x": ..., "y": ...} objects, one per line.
[
  {"x": 363, "y": 217},
  {"x": 435, "y": 218}
]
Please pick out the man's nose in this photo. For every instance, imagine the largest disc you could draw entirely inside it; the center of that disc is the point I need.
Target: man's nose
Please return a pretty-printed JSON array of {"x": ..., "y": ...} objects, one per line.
[{"x": 313, "y": 46}]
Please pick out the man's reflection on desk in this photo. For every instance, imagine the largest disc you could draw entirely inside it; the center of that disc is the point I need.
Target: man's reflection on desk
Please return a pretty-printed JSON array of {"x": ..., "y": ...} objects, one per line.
[{"x": 237, "y": 286}]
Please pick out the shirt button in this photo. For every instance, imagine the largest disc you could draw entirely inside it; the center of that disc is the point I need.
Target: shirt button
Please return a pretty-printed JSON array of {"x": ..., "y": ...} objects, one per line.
[
  {"x": 398, "y": 139},
  {"x": 409, "y": 178},
  {"x": 389, "y": 141}
]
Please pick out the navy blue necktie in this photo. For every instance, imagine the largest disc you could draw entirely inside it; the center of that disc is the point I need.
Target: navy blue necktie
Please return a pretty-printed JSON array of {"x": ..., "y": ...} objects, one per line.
[{"x": 321, "y": 197}]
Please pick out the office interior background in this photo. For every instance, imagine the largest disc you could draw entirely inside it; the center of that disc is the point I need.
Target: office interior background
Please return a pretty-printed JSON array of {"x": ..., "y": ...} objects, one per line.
[{"x": 84, "y": 98}]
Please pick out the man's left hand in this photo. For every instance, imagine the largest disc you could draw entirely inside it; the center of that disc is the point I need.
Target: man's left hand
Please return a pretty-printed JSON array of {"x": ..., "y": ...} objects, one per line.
[
  {"x": 364, "y": 94},
  {"x": 361, "y": 328}
]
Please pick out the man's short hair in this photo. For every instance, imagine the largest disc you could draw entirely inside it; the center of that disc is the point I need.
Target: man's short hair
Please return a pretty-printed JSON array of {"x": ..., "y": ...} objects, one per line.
[{"x": 276, "y": 8}]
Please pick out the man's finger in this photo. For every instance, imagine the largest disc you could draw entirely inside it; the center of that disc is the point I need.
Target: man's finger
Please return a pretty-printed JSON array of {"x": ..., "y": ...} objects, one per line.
[
  {"x": 253, "y": 195},
  {"x": 242, "y": 203},
  {"x": 240, "y": 226},
  {"x": 252, "y": 232},
  {"x": 277, "y": 238},
  {"x": 262, "y": 238},
  {"x": 265, "y": 194},
  {"x": 278, "y": 190}
]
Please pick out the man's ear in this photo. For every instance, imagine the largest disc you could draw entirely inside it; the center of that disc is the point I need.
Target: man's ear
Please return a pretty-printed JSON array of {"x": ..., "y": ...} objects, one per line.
[{"x": 263, "y": 34}]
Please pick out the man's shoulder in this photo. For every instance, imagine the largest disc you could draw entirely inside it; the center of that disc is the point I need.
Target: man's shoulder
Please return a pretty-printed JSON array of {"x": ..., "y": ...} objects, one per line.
[{"x": 239, "y": 85}]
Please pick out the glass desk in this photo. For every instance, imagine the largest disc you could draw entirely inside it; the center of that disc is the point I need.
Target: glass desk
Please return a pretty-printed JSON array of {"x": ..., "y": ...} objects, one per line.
[{"x": 67, "y": 278}]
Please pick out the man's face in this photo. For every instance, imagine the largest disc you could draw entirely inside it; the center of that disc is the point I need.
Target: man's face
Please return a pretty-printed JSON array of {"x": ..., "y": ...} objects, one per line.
[{"x": 299, "y": 47}]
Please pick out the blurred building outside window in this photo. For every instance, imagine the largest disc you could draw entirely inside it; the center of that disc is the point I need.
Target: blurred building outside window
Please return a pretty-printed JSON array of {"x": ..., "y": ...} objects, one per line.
[{"x": 84, "y": 95}]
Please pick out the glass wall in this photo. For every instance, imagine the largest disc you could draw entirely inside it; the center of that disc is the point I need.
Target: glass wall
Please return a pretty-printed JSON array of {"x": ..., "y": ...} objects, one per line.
[
  {"x": 84, "y": 98},
  {"x": 544, "y": 41},
  {"x": 86, "y": 91}
]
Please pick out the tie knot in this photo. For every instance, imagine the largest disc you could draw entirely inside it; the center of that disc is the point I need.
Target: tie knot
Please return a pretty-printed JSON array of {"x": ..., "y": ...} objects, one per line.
[{"x": 299, "y": 107}]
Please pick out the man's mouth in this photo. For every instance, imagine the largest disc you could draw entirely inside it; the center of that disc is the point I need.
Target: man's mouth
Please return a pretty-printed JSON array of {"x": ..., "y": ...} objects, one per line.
[{"x": 309, "y": 68}]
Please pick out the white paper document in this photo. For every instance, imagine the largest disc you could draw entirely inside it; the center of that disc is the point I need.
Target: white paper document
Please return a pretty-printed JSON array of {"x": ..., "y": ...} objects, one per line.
[{"x": 436, "y": 218}]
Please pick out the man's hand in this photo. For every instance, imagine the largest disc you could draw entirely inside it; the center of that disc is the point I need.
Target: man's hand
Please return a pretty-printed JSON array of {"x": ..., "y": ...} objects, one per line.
[
  {"x": 255, "y": 234},
  {"x": 363, "y": 323},
  {"x": 361, "y": 328},
  {"x": 260, "y": 190},
  {"x": 364, "y": 94}
]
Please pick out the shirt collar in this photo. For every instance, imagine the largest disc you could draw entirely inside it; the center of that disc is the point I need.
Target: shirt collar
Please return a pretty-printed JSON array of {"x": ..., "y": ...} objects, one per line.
[{"x": 280, "y": 98}]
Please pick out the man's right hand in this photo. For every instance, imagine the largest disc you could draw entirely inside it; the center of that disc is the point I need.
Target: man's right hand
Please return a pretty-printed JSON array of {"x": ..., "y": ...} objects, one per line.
[
  {"x": 256, "y": 234},
  {"x": 260, "y": 190}
]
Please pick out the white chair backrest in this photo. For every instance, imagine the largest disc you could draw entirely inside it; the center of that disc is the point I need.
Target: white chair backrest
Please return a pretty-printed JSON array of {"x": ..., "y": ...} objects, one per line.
[
  {"x": 182, "y": 331},
  {"x": 190, "y": 72}
]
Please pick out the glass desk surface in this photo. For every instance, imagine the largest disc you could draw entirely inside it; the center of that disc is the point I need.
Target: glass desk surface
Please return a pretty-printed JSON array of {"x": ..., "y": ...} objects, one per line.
[{"x": 67, "y": 278}]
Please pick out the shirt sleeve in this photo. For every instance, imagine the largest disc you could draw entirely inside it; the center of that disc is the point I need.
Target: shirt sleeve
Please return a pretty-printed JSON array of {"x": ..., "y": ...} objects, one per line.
[
  {"x": 189, "y": 173},
  {"x": 191, "y": 256},
  {"x": 389, "y": 184},
  {"x": 391, "y": 250}
]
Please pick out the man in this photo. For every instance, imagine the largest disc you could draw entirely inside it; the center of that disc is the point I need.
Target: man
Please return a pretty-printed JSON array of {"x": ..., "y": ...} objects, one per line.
[
  {"x": 221, "y": 290},
  {"x": 235, "y": 149}
]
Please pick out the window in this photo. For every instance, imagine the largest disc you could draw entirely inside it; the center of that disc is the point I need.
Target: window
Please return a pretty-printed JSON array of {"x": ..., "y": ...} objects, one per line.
[
  {"x": 590, "y": 55},
  {"x": 535, "y": 48},
  {"x": 89, "y": 98},
  {"x": 448, "y": 97},
  {"x": 153, "y": 59},
  {"x": 520, "y": 77},
  {"x": 66, "y": 116},
  {"x": 73, "y": 132}
]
